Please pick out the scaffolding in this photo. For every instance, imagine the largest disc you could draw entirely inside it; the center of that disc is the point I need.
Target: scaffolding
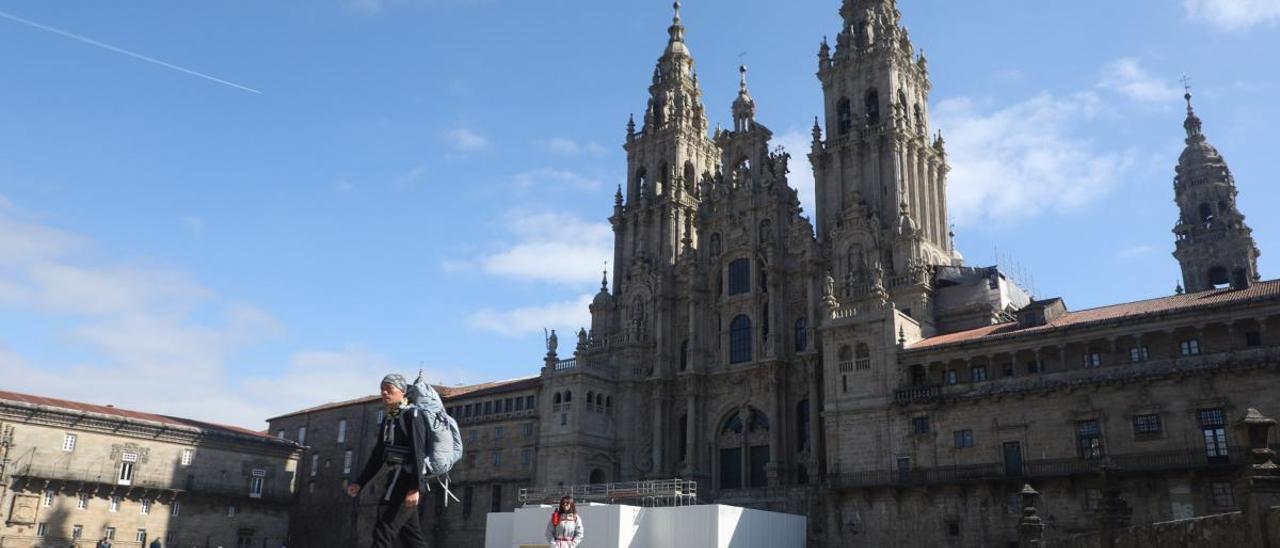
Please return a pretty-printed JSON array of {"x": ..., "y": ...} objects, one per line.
[{"x": 649, "y": 493}]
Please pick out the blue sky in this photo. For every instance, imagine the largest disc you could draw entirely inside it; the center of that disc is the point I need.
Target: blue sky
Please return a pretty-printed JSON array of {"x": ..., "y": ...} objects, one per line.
[{"x": 425, "y": 183}]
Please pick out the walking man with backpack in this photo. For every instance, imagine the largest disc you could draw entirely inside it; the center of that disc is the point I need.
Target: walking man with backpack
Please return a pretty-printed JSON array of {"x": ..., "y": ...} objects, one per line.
[{"x": 400, "y": 450}]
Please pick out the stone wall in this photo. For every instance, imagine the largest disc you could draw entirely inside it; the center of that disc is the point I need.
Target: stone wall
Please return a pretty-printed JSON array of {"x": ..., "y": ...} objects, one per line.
[{"x": 1273, "y": 525}]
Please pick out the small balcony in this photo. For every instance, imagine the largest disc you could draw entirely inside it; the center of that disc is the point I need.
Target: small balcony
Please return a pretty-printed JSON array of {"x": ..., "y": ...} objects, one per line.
[
  {"x": 917, "y": 394},
  {"x": 158, "y": 485}
]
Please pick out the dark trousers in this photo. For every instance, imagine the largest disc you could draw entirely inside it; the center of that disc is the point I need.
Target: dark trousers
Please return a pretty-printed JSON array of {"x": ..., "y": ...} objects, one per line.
[{"x": 397, "y": 522}]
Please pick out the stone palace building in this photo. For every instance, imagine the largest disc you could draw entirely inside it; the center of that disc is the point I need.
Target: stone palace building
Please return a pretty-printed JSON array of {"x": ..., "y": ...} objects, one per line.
[{"x": 849, "y": 366}]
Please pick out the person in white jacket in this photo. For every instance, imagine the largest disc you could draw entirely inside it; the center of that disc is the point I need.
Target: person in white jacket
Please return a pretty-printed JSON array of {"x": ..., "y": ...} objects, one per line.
[{"x": 565, "y": 528}]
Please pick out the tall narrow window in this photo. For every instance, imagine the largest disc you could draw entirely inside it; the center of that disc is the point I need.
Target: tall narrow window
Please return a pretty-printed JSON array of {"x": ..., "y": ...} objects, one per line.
[
  {"x": 69, "y": 443},
  {"x": 1092, "y": 359},
  {"x": 495, "y": 501},
  {"x": 187, "y": 456},
  {"x": 802, "y": 425},
  {"x": 844, "y": 116},
  {"x": 42, "y": 529},
  {"x": 1213, "y": 429},
  {"x": 1139, "y": 354},
  {"x": 684, "y": 355},
  {"x": 315, "y": 464},
  {"x": 77, "y": 531},
  {"x": 872, "y": 103},
  {"x": 346, "y": 462},
  {"x": 739, "y": 277},
  {"x": 126, "y": 473},
  {"x": 467, "y": 493},
  {"x": 175, "y": 508},
  {"x": 862, "y": 357},
  {"x": 740, "y": 340},
  {"x": 48, "y": 498},
  {"x": 302, "y": 435},
  {"x": 144, "y": 507},
  {"x": 1089, "y": 439},
  {"x": 114, "y": 503},
  {"x": 801, "y": 334},
  {"x": 82, "y": 501},
  {"x": 342, "y": 431},
  {"x": 258, "y": 477}
]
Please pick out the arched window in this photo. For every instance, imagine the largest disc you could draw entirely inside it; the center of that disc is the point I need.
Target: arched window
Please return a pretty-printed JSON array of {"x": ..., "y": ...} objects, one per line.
[
  {"x": 1218, "y": 276},
  {"x": 863, "y": 357},
  {"x": 757, "y": 421},
  {"x": 608, "y": 402},
  {"x": 846, "y": 353},
  {"x": 597, "y": 476},
  {"x": 690, "y": 179},
  {"x": 740, "y": 340},
  {"x": 684, "y": 354},
  {"x": 642, "y": 183},
  {"x": 739, "y": 277},
  {"x": 556, "y": 398},
  {"x": 802, "y": 334},
  {"x": 764, "y": 321},
  {"x": 568, "y": 396},
  {"x": 872, "y": 105},
  {"x": 664, "y": 178},
  {"x": 732, "y": 425},
  {"x": 802, "y": 425},
  {"x": 591, "y": 398},
  {"x": 1206, "y": 213},
  {"x": 844, "y": 116}
]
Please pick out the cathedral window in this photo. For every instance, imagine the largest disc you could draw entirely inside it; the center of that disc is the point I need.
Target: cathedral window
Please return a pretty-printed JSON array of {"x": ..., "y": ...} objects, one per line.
[
  {"x": 872, "y": 105},
  {"x": 1213, "y": 427},
  {"x": 801, "y": 334},
  {"x": 1206, "y": 213},
  {"x": 739, "y": 277},
  {"x": 863, "y": 357},
  {"x": 642, "y": 183},
  {"x": 684, "y": 437},
  {"x": 556, "y": 399},
  {"x": 591, "y": 399},
  {"x": 1089, "y": 439},
  {"x": 740, "y": 339},
  {"x": 690, "y": 179},
  {"x": 1218, "y": 277},
  {"x": 845, "y": 358},
  {"x": 664, "y": 180},
  {"x": 844, "y": 116},
  {"x": 568, "y": 396}
]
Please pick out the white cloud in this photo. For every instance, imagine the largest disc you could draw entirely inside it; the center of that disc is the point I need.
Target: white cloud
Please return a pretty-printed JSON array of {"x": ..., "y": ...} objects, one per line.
[
  {"x": 569, "y": 147},
  {"x": 1128, "y": 77},
  {"x": 1021, "y": 160},
  {"x": 798, "y": 143},
  {"x": 555, "y": 178},
  {"x": 464, "y": 140},
  {"x": 552, "y": 247},
  {"x": 565, "y": 317},
  {"x": 1234, "y": 15},
  {"x": 1134, "y": 252}
]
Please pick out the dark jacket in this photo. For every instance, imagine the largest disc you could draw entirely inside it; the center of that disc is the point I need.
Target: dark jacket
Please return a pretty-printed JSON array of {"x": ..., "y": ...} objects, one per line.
[{"x": 406, "y": 428}]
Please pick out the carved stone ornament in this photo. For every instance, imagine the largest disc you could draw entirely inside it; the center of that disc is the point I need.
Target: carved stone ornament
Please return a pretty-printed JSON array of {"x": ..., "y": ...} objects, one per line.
[
  {"x": 24, "y": 509},
  {"x": 141, "y": 454}
]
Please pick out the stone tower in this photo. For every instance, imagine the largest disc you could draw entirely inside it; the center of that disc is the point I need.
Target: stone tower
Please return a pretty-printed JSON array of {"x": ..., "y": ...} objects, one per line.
[
  {"x": 1214, "y": 245},
  {"x": 880, "y": 176}
]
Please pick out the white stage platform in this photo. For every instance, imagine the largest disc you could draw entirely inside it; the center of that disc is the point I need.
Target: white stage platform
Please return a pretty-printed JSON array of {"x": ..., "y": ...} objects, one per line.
[{"x": 617, "y": 526}]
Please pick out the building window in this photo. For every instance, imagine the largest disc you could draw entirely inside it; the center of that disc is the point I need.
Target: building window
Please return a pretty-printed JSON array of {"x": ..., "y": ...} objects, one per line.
[
  {"x": 42, "y": 529},
  {"x": 844, "y": 383},
  {"x": 175, "y": 508},
  {"x": 69, "y": 443},
  {"x": 497, "y": 430},
  {"x": 77, "y": 531},
  {"x": 978, "y": 373},
  {"x": 920, "y": 425},
  {"x": 950, "y": 377},
  {"x": 488, "y": 408},
  {"x": 1034, "y": 366},
  {"x": 528, "y": 402},
  {"x": 114, "y": 504},
  {"x": 342, "y": 431},
  {"x": 109, "y": 533},
  {"x": 1089, "y": 439},
  {"x": 144, "y": 507},
  {"x": 1147, "y": 424},
  {"x": 519, "y": 404},
  {"x": 526, "y": 456},
  {"x": 141, "y": 537},
  {"x": 739, "y": 277},
  {"x": 1092, "y": 499},
  {"x": 280, "y": 434},
  {"x": 508, "y": 405},
  {"x": 126, "y": 473},
  {"x": 1092, "y": 359},
  {"x": 862, "y": 357},
  {"x": 845, "y": 358},
  {"x": 495, "y": 501},
  {"x": 346, "y": 462},
  {"x": 802, "y": 334},
  {"x": 1213, "y": 428},
  {"x": 171, "y": 538},
  {"x": 258, "y": 477},
  {"x": 48, "y": 498},
  {"x": 564, "y": 419},
  {"x": 381, "y": 414},
  {"x": 315, "y": 464},
  {"x": 964, "y": 439},
  {"x": 740, "y": 340},
  {"x": 244, "y": 538},
  {"x": 1253, "y": 338},
  {"x": 1189, "y": 347},
  {"x": 1139, "y": 354},
  {"x": 231, "y": 510},
  {"x": 82, "y": 501},
  {"x": 527, "y": 429},
  {"x": 187, "y": 456},
  {"x": 1008, "y": 369},
  {"x": 953, "y": 528},
  {"x": 302, "y": 435},
  {"x": 1223, "y": 495},
  {"x": 497, "y": 457},
  {"x": 473, "y": 436}
]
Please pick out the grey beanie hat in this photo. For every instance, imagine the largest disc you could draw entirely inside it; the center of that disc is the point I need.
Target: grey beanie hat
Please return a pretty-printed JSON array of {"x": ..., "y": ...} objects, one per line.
[{"x": 396, "y": 380}]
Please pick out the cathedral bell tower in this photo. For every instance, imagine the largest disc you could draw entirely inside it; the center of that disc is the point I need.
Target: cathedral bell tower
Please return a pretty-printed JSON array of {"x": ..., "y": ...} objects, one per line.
[
  {"x": 880, "y": 177},
  {"x": 666, "y": 160},
  {"x": 1214, "y": 246}
]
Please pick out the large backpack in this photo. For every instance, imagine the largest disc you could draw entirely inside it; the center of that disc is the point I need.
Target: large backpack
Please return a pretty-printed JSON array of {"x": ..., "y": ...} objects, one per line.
[{"x": 443, "y": 446}]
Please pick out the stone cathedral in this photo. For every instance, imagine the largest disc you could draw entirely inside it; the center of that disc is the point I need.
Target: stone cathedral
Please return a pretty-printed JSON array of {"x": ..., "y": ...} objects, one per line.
[{"x": 848, "y": 365}]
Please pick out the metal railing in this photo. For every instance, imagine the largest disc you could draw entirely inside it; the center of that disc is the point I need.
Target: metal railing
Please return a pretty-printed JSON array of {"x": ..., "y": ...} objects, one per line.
[
  {"x": 649, "y": 493},
  {"x": 1153, "y": 461},
  {"x": 106, "y": 479},
  {"x": 917, "y": 394}
]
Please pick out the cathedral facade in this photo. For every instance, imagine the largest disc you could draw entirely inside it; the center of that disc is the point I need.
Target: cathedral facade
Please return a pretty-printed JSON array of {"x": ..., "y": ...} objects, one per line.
[{"x": 849, "y": 366}]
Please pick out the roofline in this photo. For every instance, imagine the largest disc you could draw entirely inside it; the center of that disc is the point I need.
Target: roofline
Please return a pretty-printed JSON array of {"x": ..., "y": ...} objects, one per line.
[{"x": 495, "y": 387}]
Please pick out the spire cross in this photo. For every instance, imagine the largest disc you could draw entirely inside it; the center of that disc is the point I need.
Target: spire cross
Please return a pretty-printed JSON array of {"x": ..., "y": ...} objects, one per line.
[
  {"x": 742, "y": 77},
  {"x": 1186, "y": 83}
]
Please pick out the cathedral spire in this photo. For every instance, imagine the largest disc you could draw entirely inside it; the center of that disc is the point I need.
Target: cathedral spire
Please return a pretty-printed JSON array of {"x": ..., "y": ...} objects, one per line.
[
  {"x": 744, "y": 107},
  {"x": 1214, "y": 246}
]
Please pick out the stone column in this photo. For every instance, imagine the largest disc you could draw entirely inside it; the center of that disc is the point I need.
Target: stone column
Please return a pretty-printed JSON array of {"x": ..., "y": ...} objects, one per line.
[
  {"x": 1258, "y": 484},
  {"x": 691, "y": 435},
  {"x": 659, "y": 428},
  {"x": 1030, "y": 527},
  {"x": 776, "y": 426}
]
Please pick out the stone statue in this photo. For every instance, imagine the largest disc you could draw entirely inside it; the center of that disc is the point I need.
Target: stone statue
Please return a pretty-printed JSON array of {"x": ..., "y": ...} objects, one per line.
[
  {"x": 552, "y": 343},
  {"x": 829, "y": 290},
  {"x": 582, "y": 337}
]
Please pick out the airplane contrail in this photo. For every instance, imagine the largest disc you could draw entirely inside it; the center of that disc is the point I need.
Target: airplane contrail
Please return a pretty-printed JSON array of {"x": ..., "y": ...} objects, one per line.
[{"x": 110, "y": 47}]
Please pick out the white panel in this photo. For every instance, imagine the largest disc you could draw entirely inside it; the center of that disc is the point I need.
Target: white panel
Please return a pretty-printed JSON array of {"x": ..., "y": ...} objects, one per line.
[
  {"x": 613, "y": 526},
  {"x": 497, "y": 529}
]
